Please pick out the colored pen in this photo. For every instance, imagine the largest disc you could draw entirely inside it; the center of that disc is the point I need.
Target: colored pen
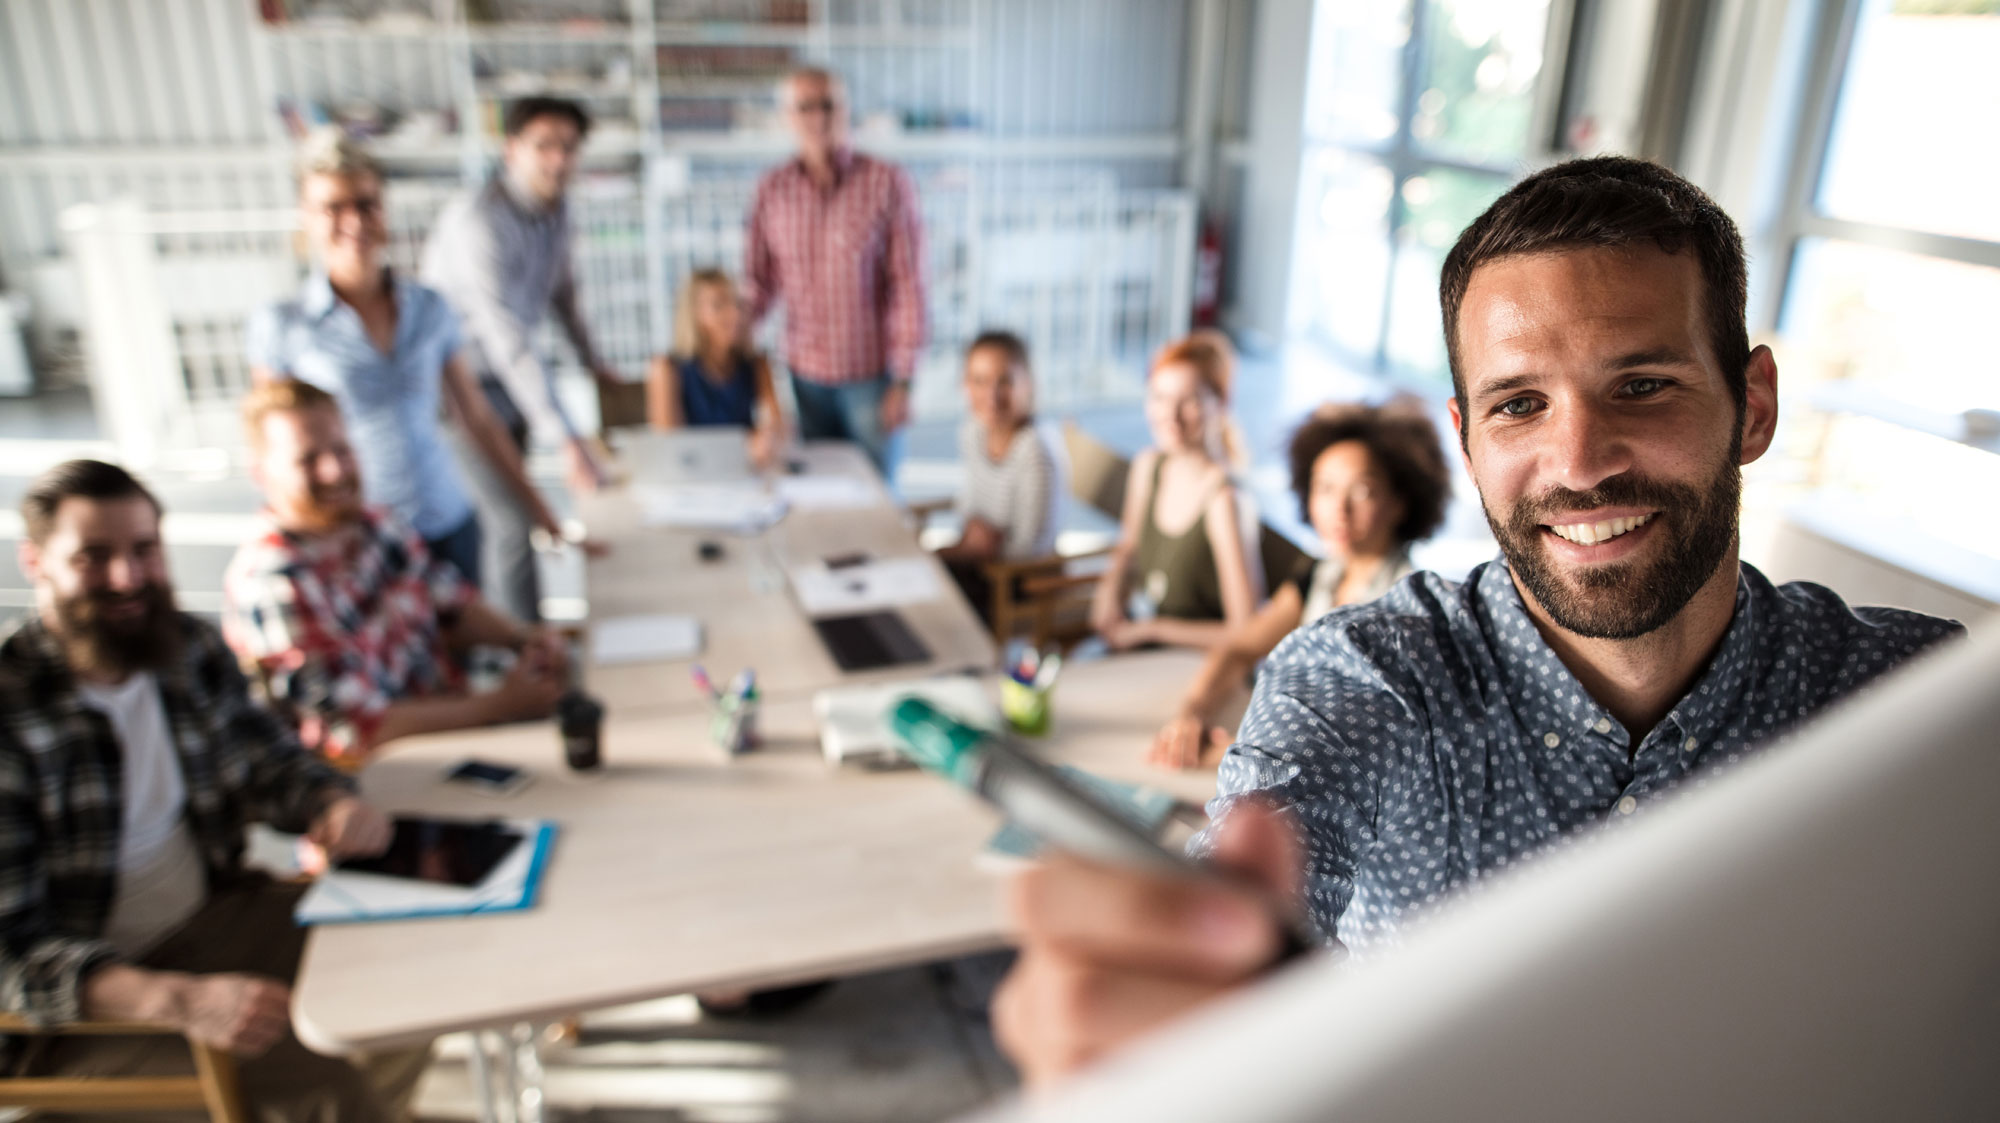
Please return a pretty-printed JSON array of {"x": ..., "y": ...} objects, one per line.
[{"x": 702, "y": 681}]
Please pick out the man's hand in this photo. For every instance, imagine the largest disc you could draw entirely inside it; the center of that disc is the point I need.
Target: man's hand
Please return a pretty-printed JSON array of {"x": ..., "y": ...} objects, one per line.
[
  {"x": 349, "y": 828},
  {"x": 531, "y": 687},
  {"x": 895, "y": 406},
  {"x": 1124, "y": 635},
  {"x": 546, "y": 649},
  {"x": 582, "y": 470},
  {"x": 1108, "y": 955},
  {"x": 240, "y": 1014},
  {"x": 1187, "y": 741}
]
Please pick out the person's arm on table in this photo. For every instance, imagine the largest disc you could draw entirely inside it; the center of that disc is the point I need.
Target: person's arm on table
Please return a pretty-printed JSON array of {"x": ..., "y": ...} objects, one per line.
[
  {"x": 1107, "y": 604},
  {"x": 979, "y": 541},
  {"x": 663, "y": 394},
  {"x": 1189, "y": 740},
  {"x": 770, "y": 434}
]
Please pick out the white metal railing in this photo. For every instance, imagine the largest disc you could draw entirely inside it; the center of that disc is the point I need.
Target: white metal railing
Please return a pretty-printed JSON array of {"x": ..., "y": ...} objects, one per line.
[{"x": 1092, "y": 276}]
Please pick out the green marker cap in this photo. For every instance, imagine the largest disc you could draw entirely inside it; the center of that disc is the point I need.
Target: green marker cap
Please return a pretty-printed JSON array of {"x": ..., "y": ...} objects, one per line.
[{"x": 936, "y": 740}]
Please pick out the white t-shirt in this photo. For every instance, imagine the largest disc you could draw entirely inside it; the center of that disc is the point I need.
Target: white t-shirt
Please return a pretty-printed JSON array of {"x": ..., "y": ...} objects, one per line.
[{"x": 161, "y": 880}]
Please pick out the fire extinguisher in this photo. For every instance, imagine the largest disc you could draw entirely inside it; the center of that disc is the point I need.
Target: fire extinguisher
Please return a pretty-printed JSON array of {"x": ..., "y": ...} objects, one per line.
[{"x": 1208, "y": 274}]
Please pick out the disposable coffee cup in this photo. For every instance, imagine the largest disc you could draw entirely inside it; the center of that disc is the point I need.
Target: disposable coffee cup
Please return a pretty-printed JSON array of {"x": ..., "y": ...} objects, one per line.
[{"x": 581, "y": 719}]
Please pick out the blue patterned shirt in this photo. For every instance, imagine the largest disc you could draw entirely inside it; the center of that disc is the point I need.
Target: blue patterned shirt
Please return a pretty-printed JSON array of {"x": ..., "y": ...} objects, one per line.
[
  {"x": 391, "y": 402},
  {"x": 1432, "y": 736}
]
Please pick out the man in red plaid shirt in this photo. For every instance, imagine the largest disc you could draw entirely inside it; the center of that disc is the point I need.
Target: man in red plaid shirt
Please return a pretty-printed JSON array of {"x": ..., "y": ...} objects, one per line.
[
  {"x": 838, "y": 237},
  {"x": 355, "y": 627}
]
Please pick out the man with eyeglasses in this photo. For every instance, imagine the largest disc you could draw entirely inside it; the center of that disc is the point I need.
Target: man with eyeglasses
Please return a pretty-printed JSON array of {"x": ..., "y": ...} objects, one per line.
[
  {"x": 501, "y": 255},
  {"x": 837, "y": 236}
]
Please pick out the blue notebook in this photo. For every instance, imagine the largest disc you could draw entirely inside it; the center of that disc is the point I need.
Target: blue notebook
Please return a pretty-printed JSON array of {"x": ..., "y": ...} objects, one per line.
[{"x": 344, "y": 895}]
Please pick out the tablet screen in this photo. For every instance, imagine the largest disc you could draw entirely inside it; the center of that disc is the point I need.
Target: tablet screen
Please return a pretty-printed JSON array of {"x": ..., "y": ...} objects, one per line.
[{"x": 447, "y": 851}]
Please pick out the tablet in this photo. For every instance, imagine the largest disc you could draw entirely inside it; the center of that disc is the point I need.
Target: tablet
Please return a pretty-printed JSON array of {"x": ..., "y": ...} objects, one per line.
[{"x": 446, "y": 851}]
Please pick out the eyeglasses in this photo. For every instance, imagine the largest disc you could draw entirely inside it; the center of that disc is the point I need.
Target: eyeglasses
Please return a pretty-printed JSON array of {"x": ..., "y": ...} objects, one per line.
[
  {"x": 366, "y": 207},
  {"x": 816, "y": 105}
]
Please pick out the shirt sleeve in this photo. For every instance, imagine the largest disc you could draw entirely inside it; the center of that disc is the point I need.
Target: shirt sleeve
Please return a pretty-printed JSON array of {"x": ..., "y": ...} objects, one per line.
[
  {"x": 1327, "y": 736},
  {"x": 276, "y": 617},
  {"x": 288, "y": 786},
  {"x": 262, "y": 340},
  {"x": 508, "y": 351},
  {"x": 1031, "y": 498},
  {"x": 41, "y": 969},
  {"x": 904, "y": 311},
  {"x": 760, "y": 264}
]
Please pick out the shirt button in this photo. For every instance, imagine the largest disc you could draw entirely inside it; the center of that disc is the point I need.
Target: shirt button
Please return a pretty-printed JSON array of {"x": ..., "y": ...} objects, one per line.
[
  {"x": 1603, "y": 725},
  {"x": 1689, "y": 745},
  {"x": 1551, "y": 740},
  {"x": 1627, "y": 805}
]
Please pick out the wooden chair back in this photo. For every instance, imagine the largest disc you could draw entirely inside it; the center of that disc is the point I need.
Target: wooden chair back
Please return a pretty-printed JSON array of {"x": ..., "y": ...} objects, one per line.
[
  {"x": 622, "y": 406},
  {"x": 1097, "y": 472}
]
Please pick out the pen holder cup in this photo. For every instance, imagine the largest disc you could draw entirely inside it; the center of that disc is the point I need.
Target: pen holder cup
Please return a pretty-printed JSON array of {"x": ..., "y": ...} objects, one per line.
[
  {"x": 1025, "y": 707},
  {"x": 733, "y": 728}
]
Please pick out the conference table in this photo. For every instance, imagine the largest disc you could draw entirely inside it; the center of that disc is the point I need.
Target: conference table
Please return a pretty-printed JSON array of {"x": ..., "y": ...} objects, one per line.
[{"x": 678, "y": 867}]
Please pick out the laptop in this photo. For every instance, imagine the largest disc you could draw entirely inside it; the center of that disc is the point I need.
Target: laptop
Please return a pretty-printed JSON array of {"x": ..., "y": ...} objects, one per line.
[
  {"x": 869, "y": 641},
  {"x": 690, "y": 455}
]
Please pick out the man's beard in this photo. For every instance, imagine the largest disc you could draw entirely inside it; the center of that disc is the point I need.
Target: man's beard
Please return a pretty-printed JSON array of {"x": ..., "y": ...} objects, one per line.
[
  {"x": 1623, "y": 600},
  {"x": 325, "y": 509},
  {"x": 100, "y": 644}
]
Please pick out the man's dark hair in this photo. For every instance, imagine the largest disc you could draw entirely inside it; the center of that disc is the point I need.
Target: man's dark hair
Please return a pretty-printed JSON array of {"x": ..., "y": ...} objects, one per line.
[
  {"x": 1404, "y": 445},
  {"x": 523, "y": 112},
  {"x": 1005, "y": 342},
  {"x": 1609, "y": 202},
  {"x": 76, "y": 479}
]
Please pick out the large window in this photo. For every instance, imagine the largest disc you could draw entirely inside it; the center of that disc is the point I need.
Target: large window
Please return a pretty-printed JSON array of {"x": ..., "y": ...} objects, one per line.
[
  {"x": 1892, "y": 254},
  {"x": 1419, "y": 114}
]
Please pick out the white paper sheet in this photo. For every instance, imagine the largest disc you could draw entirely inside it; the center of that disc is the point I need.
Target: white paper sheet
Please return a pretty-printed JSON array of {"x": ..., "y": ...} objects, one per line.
[
  {"x": 866, "y": 587},
  {"x": 644, "y": 639},
  {"x": 742, "y": 508},
  {"x": 827, "y": 493}
]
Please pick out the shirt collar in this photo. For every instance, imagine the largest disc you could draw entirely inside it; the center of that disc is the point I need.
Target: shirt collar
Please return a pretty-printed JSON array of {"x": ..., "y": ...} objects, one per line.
[
  {"x": 843, "y": 162},
  {"x": 1539, "y": 682},
  {"x": 523, "y": 200},
  {"x": 317, "y": 298}
]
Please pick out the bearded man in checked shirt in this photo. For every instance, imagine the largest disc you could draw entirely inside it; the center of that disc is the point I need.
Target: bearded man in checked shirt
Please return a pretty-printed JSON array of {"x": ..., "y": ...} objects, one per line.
[{"x": 837, "y": 237}]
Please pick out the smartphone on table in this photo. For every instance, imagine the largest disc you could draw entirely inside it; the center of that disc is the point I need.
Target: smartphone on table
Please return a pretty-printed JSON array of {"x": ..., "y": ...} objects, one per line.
[{"x": 488, "y": 777}]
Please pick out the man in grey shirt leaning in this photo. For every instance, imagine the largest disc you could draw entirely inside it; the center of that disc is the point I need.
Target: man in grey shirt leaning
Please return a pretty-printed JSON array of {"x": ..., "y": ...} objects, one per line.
[{"x": 501, "y": 255}]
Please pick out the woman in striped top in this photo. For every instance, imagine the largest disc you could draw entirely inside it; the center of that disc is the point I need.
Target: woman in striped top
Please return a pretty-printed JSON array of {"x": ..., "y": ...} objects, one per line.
[{"x": 1012, "y": 476}]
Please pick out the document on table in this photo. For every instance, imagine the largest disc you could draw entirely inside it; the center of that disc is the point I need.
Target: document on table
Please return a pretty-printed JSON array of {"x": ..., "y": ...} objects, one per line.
[
  {"x": 865, "y": 586},
  {"x": 827, "y": 493},
  {"x": 342, "y": 896},
  {"x": 742, "y": 508},
  {"x": 854, "y": 720},
  {"x": 644, "y": 639}
]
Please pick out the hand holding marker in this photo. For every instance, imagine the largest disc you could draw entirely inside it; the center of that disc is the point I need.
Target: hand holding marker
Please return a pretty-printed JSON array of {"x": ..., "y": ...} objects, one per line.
[{"x": 1046, "y": 803}]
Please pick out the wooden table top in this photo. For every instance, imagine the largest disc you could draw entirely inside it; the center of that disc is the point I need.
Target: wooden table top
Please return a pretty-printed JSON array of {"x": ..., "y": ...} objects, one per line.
[
  {"x": 678, "y": 869},
  {"x": 744, "y": 601}
]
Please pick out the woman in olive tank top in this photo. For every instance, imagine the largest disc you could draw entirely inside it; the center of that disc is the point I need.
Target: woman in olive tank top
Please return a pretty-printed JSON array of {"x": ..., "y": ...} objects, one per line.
[{"x": 1182, "y": 572}]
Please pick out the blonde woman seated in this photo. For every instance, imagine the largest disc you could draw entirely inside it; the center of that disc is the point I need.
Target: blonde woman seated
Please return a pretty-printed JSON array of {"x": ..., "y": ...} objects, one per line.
[
  {"x": 1012, "y": 474},
  {"x": 1370, "y": 481},
  {"x": 1182, "y": 573},
  {"x": 713, "y": 377}
]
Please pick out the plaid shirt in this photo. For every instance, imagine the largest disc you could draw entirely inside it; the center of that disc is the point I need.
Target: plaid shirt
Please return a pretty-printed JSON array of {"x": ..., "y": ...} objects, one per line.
[
  {"x": 62, "y": 802},
  {"x": 343, "y": 624},
  {"x": 847, "y": 262}
]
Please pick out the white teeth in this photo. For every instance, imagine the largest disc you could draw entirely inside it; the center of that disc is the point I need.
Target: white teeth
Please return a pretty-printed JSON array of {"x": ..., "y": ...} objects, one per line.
[{"x": 1590, "y": 534}]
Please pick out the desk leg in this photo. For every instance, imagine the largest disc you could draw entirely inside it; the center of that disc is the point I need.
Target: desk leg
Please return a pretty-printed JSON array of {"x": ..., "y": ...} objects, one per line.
[
  {"x": 482, "y": 1079},
  {"x": 526, "y": 1058}
]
